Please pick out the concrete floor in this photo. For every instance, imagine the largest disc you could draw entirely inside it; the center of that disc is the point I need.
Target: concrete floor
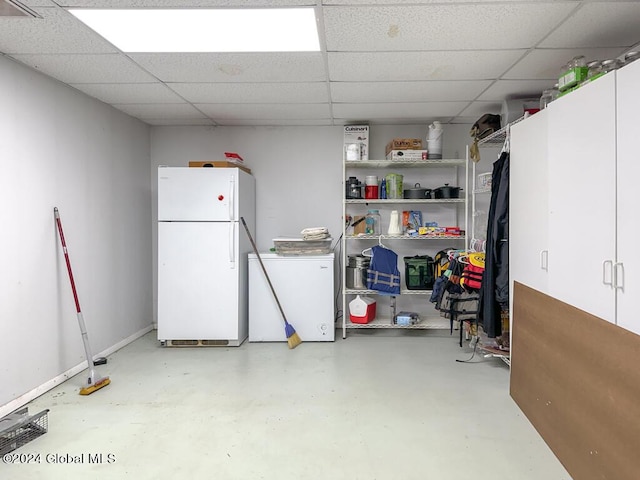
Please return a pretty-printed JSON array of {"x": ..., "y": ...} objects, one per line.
[{"x": 378, "y": 405}]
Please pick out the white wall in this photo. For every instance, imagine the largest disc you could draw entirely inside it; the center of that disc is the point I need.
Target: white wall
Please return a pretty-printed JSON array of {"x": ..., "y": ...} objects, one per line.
[
  {"x": 298, "y": 170},
  {"x": 60, "y": 148}
]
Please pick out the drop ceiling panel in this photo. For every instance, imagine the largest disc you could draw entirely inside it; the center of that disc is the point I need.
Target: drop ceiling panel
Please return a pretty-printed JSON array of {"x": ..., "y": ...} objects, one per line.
[
  {"x": 477, "y": 109},
  {"x": 181, "y": 3},
  {"x": 421, "y": 2},
  {"x": 234, "y": 67},
  {"x": 599, "y": 25},
  {"x": 388, "y": 61},
  {"x": 38, "y": 3},
  {"x": 178, "y": 121},
  {"x": 220, "y": 112},
  {"x": 382, "y": 92},
  {"x": 503, "y": 89},
  {"x": 56, "y": 32},
  {"x": 398, "y": 110},
  {"x": 546, "y": 64},
  {"x": 312, "y": 92},
  {"x": 425, "y": 120},
  {"x": 130, "y": 92},
  {"x": 274, "y": 122},
  {"x": 411, "y": 66},
  {"x": 159, "y": 111},
  {"x": 464, "y": 120},
  {"x": 110, "y": 68},
  {"x": 441, "y": 27}
]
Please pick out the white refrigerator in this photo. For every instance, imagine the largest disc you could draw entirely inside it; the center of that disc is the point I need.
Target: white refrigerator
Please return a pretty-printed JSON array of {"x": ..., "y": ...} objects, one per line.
[
  {"x": 202, "y": 255},
  {"x": 304, "y": 286}
]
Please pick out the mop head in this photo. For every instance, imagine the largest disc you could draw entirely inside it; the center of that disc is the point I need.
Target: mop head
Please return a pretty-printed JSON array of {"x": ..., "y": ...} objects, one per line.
[
  {"x": 292, "y": 337},
  {"x": 103, "y": 382}
]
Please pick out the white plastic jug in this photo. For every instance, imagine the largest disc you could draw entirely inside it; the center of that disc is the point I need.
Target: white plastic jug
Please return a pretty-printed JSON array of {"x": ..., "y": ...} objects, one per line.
[
  {"x": 394, "y": 224},
  {"x": 434, "y": 140}
]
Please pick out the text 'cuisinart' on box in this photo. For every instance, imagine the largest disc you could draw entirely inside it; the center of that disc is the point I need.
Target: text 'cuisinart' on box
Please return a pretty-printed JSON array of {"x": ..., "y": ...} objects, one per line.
[{"x": 356, "y": 142}]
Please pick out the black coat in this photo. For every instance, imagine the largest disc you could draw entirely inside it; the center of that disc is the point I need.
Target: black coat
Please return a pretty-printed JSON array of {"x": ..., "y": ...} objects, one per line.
[{"x": 494, "y": 292}]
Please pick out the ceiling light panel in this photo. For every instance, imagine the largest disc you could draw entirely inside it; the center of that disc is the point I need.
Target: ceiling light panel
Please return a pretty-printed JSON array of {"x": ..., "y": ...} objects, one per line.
[{"x": 205, "y": 30}]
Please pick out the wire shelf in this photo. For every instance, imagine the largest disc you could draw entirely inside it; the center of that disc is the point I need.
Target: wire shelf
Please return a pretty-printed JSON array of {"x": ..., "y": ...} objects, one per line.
[
  {"x": 403, "y": 163},
  {"x": 434, "y": 323},
  {"x": 353, "y": 291},
  {"x": 499, "y": 136},
  {"x": 404, "y": 237},
  {"x": 19, "y": 428},
  {"x": 404, "y": 200}
]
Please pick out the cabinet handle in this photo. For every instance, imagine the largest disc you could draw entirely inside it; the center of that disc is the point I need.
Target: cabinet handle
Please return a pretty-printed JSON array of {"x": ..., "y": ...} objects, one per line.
[
  {"x": 618, "y": 276},
  {"x": 544, "y": 260},
  {"x": 604, "y": 272}
]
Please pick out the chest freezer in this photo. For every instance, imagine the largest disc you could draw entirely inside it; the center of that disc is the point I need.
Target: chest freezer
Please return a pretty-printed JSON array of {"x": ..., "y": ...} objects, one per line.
[{"x": 304, "y": 286}]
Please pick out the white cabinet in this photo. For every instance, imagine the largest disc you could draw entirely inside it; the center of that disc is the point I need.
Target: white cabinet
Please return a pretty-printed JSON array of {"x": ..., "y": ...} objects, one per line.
[
  {"x": 528, "y": 200},
  {"x": 627, "y": 269},
  {"x": 587, "y": 159},
  {"x": 446, "y": 212},
  {"x": 582, "y": 198}
]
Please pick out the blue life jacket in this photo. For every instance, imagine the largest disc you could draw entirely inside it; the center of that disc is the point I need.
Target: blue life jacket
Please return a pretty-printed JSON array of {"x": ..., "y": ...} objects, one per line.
[{"x": 383, "y": 274}]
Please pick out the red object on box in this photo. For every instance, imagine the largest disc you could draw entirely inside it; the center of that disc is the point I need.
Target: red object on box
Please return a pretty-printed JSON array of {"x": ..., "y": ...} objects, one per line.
[{"x": 233, "y": 155}]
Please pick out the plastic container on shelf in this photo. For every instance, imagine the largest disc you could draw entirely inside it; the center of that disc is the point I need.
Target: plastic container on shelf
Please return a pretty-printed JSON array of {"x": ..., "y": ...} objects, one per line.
[
  {"x": 394, "y": 185},
  {"x": 484, "y": 181},
  {"x": 371, "y": 187},
  {"x": 631, "y": 57},
  {"x": 372, "y": 223},
  {"x": 595, "y": 71},
  {"x": 546, "y": 98},
  {"x": 574, "y": 73},
  {"x": 610, "y": 65}
]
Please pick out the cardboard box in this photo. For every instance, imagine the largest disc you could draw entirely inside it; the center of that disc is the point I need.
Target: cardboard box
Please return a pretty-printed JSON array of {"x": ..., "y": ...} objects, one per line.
[
  {"x": 408, "y": 155},
  {"x": 403, "y": 144},
  {"x": 219, "y": 164},
  {"x": 356, "y": 142},
  {"x": 358, "y": 221}
]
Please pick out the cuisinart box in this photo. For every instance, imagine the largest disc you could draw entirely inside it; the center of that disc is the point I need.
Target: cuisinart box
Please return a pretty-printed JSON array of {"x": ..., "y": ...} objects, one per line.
[{"x": 356, "y": 142}]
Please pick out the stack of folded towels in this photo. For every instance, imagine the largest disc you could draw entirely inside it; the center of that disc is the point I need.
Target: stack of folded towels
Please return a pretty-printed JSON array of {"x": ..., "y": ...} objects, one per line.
[{"x": 315, "y": 233}]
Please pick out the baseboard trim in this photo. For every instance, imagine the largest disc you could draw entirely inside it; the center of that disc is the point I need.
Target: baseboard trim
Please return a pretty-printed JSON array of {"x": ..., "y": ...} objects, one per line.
[{"x": 22, "y": 400}]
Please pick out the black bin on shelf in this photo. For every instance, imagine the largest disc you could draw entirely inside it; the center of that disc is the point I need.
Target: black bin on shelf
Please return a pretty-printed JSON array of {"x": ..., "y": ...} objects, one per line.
[{"x": 419, "y": 272}]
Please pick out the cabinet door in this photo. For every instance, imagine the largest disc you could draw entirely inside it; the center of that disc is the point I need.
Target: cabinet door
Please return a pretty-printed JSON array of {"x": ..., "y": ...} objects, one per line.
[
  {"x": 628, "y": 127},
  {"x": 528, "y": 202},
  {"x": 582, "y": 199}
]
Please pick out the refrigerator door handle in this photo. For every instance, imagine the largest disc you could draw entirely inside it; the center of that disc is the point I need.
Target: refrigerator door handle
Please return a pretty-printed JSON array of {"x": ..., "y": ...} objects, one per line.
[
  {"x": 232, "y": 191},
  {"x": 232, "y": 244}
]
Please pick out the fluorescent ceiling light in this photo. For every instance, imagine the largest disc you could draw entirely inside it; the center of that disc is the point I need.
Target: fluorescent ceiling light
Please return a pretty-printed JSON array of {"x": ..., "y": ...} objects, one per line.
[{"x": 205, "y": 30}]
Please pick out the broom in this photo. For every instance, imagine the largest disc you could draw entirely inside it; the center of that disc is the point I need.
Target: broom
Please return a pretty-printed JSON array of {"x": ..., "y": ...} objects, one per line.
[
  {"x": 292, "y": 337},
  {"x": 93, "y": 381}
]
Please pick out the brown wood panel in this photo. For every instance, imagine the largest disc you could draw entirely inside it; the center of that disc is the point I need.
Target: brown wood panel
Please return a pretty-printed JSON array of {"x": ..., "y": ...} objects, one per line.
[{"x": 577, "y": 379}]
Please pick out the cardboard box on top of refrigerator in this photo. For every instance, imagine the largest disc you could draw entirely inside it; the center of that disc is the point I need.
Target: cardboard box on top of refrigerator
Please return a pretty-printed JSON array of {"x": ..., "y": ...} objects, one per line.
[
  {"x": 403, "y": 144},
  {"x": 219, "y": 164},
  {"x": 356, "y": 142}
]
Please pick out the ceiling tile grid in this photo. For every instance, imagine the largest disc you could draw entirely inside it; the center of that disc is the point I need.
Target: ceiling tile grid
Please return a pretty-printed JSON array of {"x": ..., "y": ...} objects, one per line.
[
  {"x": 382, "y": 61},
  {"x": 440, "y": 27}
]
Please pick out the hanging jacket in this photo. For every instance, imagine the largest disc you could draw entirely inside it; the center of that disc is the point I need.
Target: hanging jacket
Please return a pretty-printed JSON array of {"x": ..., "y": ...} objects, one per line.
[
  {"x": 494, "y": 291},
  {"x": 383, "y": 274}
]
